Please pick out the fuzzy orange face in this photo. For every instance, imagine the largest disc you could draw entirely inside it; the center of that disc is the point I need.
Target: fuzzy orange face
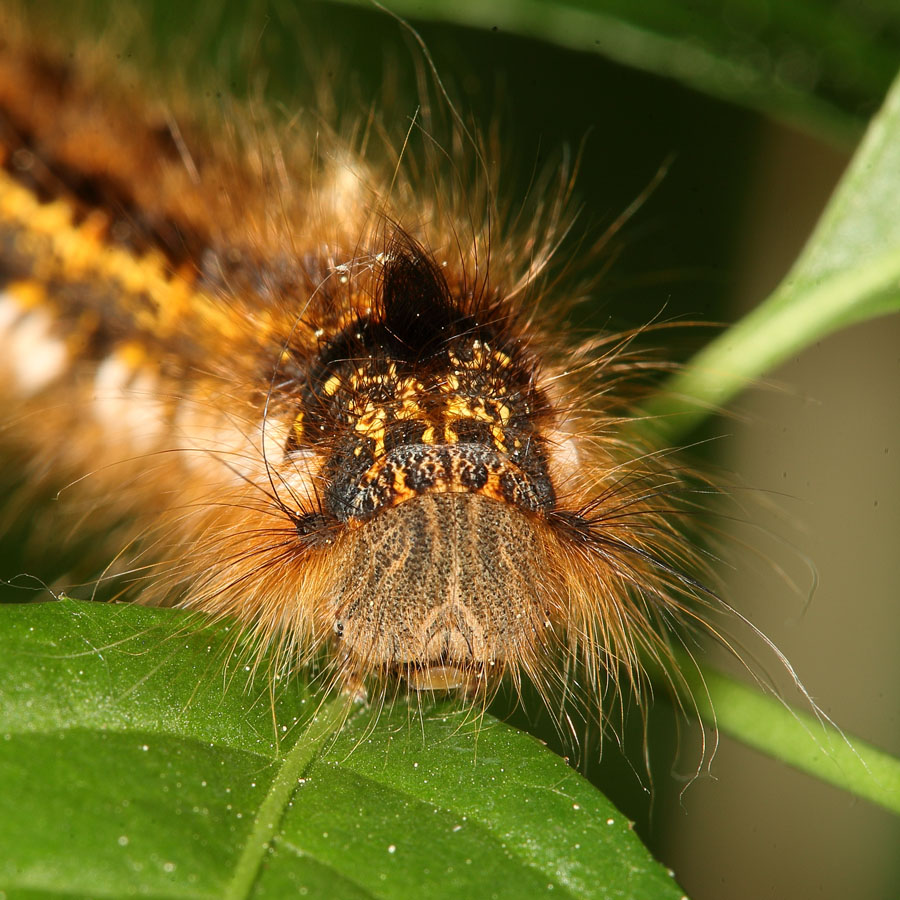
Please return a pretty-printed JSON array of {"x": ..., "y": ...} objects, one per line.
[{"x": 431, "y": 473}]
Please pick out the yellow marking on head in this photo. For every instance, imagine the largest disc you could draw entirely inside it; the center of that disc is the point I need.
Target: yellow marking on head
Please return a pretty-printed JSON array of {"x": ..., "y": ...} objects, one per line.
[
  {"x": 481, "y": 356},
  {"x": 409, "y": 409},
  {"x": 372, "y": 419},
  {"x": 371, "y": 425},
  {"x": 410, "y": 389},
  {"x": 330, "y": 387},
  {"x": 468, "y": 408},
  {"x": 401, "y": 490}
]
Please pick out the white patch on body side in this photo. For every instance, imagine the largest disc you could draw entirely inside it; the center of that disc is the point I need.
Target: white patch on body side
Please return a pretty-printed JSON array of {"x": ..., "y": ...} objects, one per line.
[
  {"x": 215, "y": 444},
  {"x": 340, "y": 198},
  {"x": 128, "y": 406},
  {"x": 34, "y": 357},
  {"x": 10, "y": 313},
  {"x": 221, "y": 446},
  {"x": 565, "y": 459},
  {"x": 298, "y": 475},
  {"x": 292, "y": 475}
]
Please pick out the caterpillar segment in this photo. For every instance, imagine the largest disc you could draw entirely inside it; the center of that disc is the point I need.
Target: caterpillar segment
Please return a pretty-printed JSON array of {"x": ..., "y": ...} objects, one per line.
[{"x": 356, "y": 433}]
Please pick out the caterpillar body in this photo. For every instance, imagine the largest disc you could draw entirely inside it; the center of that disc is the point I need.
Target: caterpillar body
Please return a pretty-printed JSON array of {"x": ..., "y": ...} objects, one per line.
[{"x": 341, "y": 405}]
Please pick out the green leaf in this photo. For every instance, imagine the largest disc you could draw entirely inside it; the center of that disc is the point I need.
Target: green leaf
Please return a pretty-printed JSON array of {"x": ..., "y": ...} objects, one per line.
[
  {"x": 139, "y": 754},
  {"x": 816, "y": 64},
  {"x": 849, "y": 272}
]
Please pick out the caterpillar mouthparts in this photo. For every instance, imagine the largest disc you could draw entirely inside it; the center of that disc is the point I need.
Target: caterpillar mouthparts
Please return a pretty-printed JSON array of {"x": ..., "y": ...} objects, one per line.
[{"x": 344, "y": 411}]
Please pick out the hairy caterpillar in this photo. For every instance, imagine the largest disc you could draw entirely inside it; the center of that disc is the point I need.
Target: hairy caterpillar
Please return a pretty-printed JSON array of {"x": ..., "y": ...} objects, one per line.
[{"x": 342, "y": 405}]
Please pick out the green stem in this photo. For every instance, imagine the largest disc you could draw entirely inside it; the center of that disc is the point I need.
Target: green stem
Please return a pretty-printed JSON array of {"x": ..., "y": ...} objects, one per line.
[
  {"x": 801, "y": 740},
  {"x": 327, "y": 721},
  {"x": 789, "y": 320}
]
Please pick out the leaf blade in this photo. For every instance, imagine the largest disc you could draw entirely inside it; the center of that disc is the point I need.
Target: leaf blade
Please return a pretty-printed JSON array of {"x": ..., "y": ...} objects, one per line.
[
  {"x": 848, "y": 272},
  {"x": 128, "y": 777},
  {"x": 805, "y": 62}
]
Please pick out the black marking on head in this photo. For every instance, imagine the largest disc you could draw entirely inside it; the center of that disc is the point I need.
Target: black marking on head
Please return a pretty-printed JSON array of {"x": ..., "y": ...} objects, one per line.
[
  {"x": 416, "y": 307},
  {"x": 427, "y": 364},
  {"x": 413, "y": 317},
  {"x": 315, "y": 529}
]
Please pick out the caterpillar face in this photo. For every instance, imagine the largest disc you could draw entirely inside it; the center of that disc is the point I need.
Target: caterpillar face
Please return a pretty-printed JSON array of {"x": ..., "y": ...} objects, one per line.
[
  {"x": 425, "y": 420},
  {"x": 440, "y": 590}
]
